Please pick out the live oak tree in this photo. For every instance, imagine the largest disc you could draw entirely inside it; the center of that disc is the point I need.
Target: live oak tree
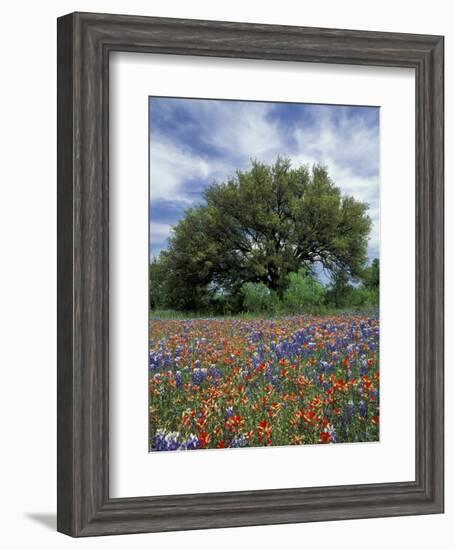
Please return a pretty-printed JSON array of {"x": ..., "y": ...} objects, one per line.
[{"x": 260, "y": 226}]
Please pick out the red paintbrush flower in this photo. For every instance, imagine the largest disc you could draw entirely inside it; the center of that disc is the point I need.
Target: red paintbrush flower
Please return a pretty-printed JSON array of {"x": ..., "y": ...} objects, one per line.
[
  {"x": 204, "y": 439},
  {"x": 201, "y": 422},
  {"x": 265, "y": 432},
  {"x": 310, "y": 417},
  {"x": 235, "y": 422},
  {"x": 325, "y": 437}
]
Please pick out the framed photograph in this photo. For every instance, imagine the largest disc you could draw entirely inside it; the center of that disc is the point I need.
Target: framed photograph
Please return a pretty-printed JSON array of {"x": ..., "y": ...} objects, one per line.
[{"x": 250, "y": 274}]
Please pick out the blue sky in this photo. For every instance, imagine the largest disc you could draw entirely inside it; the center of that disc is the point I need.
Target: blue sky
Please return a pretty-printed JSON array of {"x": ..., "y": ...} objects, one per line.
[{"x": 194, "y": 142}]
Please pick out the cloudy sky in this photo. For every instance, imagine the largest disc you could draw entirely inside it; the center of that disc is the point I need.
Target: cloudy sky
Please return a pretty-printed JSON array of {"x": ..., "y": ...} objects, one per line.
[{"x": 194, "y": 142}]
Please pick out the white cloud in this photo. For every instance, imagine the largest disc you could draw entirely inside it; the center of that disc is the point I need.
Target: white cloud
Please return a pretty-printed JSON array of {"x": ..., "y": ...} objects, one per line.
[
  {"x": 170, "y": 166},
  {"x": 239, "y": 128},
  {"x": 159, "y": 232},
  {"x": 347, "y": 142}
]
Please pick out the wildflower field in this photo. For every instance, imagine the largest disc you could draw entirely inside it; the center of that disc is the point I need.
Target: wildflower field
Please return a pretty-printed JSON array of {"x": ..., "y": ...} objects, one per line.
[{"x": 223, "y": 383}]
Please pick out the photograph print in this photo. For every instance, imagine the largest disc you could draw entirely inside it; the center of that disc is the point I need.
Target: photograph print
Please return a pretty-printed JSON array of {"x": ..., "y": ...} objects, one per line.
[{"x": 263, "y": 274}]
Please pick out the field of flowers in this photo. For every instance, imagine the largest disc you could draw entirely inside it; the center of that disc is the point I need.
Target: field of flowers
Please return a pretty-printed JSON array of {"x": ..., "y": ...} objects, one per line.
[{"x": 218, "y": 383}]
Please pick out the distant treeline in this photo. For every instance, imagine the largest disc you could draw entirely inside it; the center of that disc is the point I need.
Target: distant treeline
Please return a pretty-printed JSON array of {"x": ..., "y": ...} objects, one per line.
[{"x": 304, "y": 293}]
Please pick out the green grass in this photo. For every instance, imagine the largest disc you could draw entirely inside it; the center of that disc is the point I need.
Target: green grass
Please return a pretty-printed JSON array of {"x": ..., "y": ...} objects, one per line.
[{"x": 184, "y": 315}]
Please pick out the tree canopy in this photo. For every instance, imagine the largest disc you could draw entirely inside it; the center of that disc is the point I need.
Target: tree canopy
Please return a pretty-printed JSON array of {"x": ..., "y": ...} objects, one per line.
[{"x": 258, "y": 227}]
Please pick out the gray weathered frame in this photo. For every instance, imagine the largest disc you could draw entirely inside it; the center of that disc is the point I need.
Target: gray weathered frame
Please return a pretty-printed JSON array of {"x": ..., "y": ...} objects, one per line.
[{"x": 84, "y": 43}]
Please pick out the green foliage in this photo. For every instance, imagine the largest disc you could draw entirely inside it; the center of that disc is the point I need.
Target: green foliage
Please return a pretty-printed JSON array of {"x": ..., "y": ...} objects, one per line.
[
  {"x": 341, "y": 294},
  {"x": 259, "y": 298},
  {"x": 304, "y": 293},
  {"x": 370, "y": 275},
  {"x": 157, "y": 282},
  {"x": 367, "y": 297},
  {"x": 258, "y": 227}
]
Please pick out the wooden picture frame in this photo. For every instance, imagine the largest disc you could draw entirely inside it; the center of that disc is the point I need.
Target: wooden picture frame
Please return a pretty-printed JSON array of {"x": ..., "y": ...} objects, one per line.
[{"x": 84, "y": 44}]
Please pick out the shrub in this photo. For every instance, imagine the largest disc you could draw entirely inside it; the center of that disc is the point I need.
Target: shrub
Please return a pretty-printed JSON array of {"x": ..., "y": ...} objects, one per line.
[
  {"x": 364, "y": 297},
  {"x": 257, "y": 297},
  {"x": 304, "y": 294}
]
